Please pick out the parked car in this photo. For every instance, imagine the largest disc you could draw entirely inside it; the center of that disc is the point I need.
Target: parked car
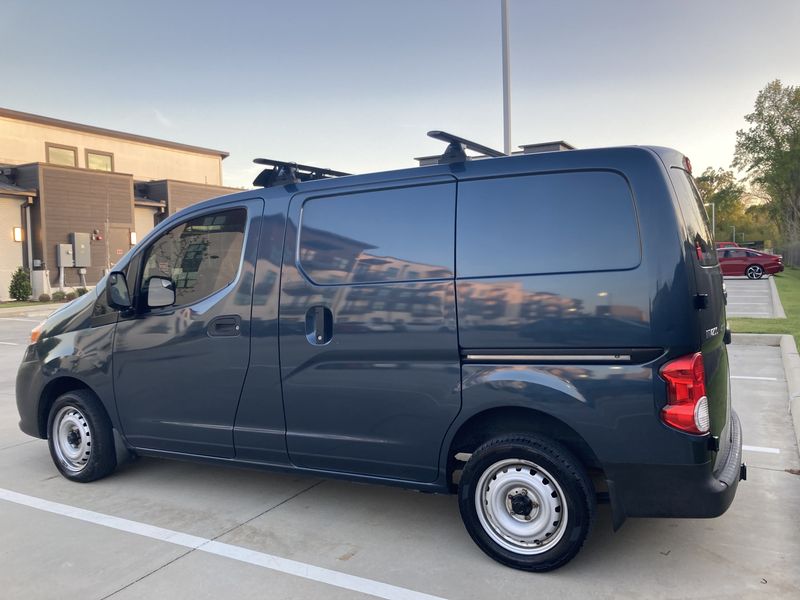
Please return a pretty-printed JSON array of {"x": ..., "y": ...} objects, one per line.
[
  {"x": 564, "y": 343},
  {"x": 753, "y": 264},
  {"x": 726, "y": 245}
]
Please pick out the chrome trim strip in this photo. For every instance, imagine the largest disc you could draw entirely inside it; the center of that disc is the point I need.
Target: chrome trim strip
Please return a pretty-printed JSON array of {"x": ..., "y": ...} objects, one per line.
[{"x": 549, "y": 357}]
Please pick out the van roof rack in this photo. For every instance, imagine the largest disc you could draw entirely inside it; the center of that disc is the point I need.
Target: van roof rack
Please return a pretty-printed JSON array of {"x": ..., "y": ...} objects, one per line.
[
  {"x": 456, "y": 145},
  {"x": 285, "y": 173}
]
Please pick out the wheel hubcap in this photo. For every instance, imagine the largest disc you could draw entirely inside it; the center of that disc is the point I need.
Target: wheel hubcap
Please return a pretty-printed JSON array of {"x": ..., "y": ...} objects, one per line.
[
  {"x": 72, "y": 439},
  {"x": 520, "y": 506}
]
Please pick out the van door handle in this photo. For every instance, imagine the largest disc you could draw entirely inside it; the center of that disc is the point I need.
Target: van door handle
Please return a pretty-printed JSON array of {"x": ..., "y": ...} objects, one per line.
[
  {"x": 319, "y": 325},
  {"x": 225, "y": 326}
]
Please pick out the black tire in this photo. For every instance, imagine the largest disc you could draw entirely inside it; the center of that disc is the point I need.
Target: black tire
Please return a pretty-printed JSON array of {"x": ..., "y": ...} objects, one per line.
[
  {"x": 548, "y": 466},
  {"x": 86, "y": 453},
  {"x": 754, "y": 272}
]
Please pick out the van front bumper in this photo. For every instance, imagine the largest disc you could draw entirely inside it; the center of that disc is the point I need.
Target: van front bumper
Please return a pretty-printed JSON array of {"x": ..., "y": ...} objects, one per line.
[{"x": 690, "y": 491}]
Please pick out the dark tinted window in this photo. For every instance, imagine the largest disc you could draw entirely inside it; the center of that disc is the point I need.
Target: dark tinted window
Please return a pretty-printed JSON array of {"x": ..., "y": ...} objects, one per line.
[
  {"x": 403, "y": 234},
  {"x": 556, "y": 223},
  {"x": 200, "y": 256},
  {"x": 694, "y": 216},
  {"x": 752, "y": 254}
]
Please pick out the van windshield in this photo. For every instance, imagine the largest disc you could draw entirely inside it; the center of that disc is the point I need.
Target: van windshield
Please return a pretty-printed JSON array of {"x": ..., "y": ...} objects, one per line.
[{"x": 694, "y": 216}]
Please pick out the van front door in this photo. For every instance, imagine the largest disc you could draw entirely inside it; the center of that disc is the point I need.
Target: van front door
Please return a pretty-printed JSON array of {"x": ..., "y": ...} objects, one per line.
[
  {"x": 369, "y": 354},
  {"x": 179, "y": 370}
]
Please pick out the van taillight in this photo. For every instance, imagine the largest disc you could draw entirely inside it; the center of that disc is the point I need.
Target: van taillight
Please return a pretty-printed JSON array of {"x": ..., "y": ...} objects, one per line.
[{"x": 687, "y": 404}]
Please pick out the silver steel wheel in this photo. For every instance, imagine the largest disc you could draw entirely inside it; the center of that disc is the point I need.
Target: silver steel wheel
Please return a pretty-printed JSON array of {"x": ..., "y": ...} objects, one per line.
[
  {"x": 72, "y": 439},
  {"x": 521, "y": 506},
  {"x": 754, "y": 272}
]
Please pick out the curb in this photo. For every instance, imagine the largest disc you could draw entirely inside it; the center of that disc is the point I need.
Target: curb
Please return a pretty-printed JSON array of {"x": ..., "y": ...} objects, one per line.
[
  {"x": 791, "y": 367},
  {"x": 777, "y": 307},
  {"x": 756, "y": 339}
]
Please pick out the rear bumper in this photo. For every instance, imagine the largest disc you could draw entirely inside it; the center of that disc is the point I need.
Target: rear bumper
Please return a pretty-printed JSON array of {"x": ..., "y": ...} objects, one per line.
[{"x": 693, "y": 491}]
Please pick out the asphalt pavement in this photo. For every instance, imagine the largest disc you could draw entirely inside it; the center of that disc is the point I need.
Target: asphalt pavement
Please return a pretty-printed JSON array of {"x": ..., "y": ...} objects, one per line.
[
  {"x": 750, "y": 297},
  {"x": 170, "y": 529}
]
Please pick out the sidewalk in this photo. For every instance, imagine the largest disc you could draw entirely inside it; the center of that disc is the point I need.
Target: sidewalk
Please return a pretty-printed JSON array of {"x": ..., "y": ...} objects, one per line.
[{"x": 33, "y": 311}]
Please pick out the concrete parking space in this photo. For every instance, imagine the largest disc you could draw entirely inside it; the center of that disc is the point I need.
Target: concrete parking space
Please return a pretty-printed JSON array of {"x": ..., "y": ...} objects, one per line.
[
  {"x": 290, "y": 536},
  {"x": 751, "y": 297}
]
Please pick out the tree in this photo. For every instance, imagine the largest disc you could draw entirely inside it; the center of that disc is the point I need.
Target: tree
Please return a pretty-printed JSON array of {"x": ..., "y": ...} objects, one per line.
[
  {"x": 721, "y": 188},
  {"x": 769, "y": 152},
  {"x": 20, "y": 288}
]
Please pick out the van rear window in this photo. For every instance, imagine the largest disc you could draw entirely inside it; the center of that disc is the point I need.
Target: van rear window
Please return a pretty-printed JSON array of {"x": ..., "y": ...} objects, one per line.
[
  {"x": 694, "y": 216},
  {"x": 548, "y": 223}
]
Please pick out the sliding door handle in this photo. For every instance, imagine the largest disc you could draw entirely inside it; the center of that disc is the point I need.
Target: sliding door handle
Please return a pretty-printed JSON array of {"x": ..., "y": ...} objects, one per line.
[{"x": 319, "y": 325}]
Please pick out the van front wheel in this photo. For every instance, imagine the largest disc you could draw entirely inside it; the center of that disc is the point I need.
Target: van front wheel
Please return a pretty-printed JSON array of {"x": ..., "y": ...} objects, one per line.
[
  {"x": 526, "y": 501},
  {"x": 80, "y": 437}
]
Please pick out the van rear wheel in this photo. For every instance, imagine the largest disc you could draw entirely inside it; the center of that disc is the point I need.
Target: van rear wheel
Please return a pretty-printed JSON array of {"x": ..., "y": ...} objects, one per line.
[
  {"x": 754, "y": 272},
  {"x": 80, "y": 437},
  {"x": 526, "y": 501}
]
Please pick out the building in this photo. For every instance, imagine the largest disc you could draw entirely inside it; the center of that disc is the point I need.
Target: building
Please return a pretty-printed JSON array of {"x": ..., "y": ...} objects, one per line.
[{"x": 89, "y": 193}]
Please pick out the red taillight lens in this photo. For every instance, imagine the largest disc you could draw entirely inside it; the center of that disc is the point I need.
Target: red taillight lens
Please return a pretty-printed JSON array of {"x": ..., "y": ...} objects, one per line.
[{"x": 687, "y": 404}]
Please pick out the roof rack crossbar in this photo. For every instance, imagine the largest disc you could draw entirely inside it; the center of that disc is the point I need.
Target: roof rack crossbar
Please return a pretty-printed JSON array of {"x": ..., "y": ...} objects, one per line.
[
  {"x": 285, "y": 173},
  {"x": 455, "y": 151}
]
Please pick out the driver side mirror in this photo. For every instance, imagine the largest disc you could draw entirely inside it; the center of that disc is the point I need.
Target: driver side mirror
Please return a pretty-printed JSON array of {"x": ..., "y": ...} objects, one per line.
[
  {"x": 117, "y": 294},
  {"x": 160, "y": 292}
]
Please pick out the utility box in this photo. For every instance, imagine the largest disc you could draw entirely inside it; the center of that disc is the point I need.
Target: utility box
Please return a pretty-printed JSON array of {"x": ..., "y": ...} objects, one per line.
[
  {"x": 64, "y": 255},
  {"x": 82, "y": 250}
]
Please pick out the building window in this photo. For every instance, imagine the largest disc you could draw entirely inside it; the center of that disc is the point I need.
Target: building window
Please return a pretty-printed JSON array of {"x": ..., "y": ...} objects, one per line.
[
  {"x": 99, "y": 161},
  {"x": 62, "y": 155}
]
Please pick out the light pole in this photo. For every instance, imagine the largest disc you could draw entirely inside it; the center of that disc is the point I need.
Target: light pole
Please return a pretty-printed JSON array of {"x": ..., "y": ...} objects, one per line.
[
  {"x": 734, "y": 233},
  {"x": 713, "y": 218},
  {"x": 506, "y": 79}
]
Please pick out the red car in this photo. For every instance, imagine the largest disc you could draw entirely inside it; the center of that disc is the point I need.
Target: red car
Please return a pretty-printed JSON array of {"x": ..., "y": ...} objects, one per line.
[
  {"x": 727, "y": 245},
  {"x": 753, "y": 264}
]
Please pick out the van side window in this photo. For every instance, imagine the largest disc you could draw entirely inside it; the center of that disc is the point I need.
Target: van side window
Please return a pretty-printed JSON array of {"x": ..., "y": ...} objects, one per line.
[
  {"x": 694, "y": 216},
  {"x": 550, "y": 223},
  {"x": 401, "y": 234},
  {"x": 200, "y": 256}
]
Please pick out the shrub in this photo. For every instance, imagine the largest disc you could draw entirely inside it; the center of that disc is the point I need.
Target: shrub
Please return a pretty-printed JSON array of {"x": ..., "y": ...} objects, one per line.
[
  {"x": 44, "y": 298},
  {"x": 70, "y": 296},
  {"x": 20, "y": 288},
  {"x": 81, "y": 291},
  {"x": 59, "y": 296}
]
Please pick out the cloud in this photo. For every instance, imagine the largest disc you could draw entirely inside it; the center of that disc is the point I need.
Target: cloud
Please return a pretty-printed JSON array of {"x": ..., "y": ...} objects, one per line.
[{"x": 162, "y": 118}]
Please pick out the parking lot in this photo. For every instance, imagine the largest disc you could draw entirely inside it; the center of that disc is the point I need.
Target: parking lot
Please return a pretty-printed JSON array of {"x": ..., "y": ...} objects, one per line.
[
  {"x": 750, "y": 297},
  {"x": 168, "y": 529}
]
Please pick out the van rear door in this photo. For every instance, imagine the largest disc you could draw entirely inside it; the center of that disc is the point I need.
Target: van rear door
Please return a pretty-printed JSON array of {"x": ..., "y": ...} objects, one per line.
[{"x": 709, "y": 301}]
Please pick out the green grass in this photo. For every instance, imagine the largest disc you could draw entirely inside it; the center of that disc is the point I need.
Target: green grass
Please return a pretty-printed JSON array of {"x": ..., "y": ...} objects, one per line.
[{"x": 788, "y": 284}]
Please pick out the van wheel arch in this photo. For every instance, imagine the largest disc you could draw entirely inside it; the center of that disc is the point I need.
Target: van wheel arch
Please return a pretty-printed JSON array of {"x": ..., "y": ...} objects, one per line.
[
  {"x": 494, "y": 422},
  {"x": 51, "y": 392}
]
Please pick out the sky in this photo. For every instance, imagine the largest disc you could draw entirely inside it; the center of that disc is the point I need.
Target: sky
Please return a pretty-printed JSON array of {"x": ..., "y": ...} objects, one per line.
[{"x": 354, "y": 85}]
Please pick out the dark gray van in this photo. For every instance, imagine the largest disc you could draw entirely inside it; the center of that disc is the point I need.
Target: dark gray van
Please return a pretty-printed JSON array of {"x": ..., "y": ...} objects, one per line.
[{"x": 534, "y": 333}]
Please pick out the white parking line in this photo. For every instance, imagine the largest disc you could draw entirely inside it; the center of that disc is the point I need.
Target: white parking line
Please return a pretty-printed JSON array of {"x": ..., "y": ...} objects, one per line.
[
  {"x": 763, "y": 449},
  {"x": 755, "y": 378},
  {"x": 253, "y": 557},
  {"x": 16, "y": 319},
  {"x": 9, "y": 344}
]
